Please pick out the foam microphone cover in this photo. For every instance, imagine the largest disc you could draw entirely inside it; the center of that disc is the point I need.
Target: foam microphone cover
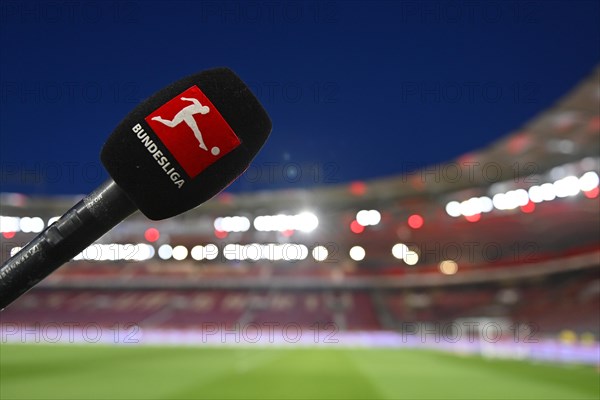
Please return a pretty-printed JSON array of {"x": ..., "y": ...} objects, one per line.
[{"x": 186, "y": 143}]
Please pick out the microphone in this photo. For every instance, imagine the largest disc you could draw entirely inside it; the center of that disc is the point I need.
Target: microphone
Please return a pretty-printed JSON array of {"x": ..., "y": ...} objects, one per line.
[{"x": 174, "y": 151}]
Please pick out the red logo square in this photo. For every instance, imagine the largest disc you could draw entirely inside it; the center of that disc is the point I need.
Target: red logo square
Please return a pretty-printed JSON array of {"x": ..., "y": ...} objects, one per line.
[{"x": 193, "y": 130}]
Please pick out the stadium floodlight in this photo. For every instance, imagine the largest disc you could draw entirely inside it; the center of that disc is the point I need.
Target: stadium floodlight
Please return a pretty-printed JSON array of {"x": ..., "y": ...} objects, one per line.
[
  {"x": 588, "y": 181},
  {"x": 197, "y": 253},
  {"x": 230, "y": 251},
  {"x": 448, "y": 267},
  {"x": 499, "y": 201},
  {"x": 304, "y": 222},
  {"x": 211, "y": 251},
  {"x": 453, "y": 209},
  {"x": 9, "y": 224},
  {"x": 143, "y": 252},
  {"x": 116, "y": 252},
  {"x": 320, "y": 253},
  {"x": 52, "y": 220},
  {"x": 175, "y": 150},
  {"x": 362, "y": 217},
  {"x": 536, "y": 194},
  {"x": 374, "y": 217},
  {"x": 165, "y": 252},
  {"x": 208, "y": 252},
  {"x": 485, "y": 204},
  {"x": 567, "y": 186},
  {"x": 269, "y": 251},
  {"x": 470, "y": 207},
  {"x": 411, "y": 257},
  {"x": 368, "y": 217},
  {"x": 37, "y": 224},
  {"x": 25, "y": 224},
  {"x": 548, "y": 191},
  {"x": 399, "y": 250},
  {"x": 357, "y": 253},
  {"x": 180, "y": 253},
  {"x": 232, "y": 224}
]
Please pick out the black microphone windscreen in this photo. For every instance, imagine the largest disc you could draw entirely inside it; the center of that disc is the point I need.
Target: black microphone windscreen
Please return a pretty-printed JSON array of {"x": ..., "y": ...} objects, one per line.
[{"x": 186, "y": 143}]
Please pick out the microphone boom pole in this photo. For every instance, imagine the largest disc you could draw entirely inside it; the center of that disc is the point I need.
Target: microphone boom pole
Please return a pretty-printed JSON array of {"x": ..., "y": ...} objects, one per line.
[{"x": 79, "y": 227}]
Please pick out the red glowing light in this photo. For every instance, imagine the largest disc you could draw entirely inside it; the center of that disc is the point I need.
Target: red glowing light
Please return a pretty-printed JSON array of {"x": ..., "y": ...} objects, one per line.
[
  {"x": 594, "y": 124},
  {"x": 8, "y": 235},
  {"x": 528, "y": 208},
  {"x": 356, "y": 227},
  {"x": 592, "y": 194},
  {"x": 473, "y": 218},
  {"x": 225, "y": 198},
  {"x": 220, "y": 234},
  {"x": 358, "y": 188},
  {"x": 415, "y": 221},
  {"x": 288, "y": 233},
  {"x": 152, "y": 234}
]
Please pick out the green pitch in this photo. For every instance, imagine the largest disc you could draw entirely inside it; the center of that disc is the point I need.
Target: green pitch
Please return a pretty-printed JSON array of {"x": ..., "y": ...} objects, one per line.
[{"x": 85, "y": 372}]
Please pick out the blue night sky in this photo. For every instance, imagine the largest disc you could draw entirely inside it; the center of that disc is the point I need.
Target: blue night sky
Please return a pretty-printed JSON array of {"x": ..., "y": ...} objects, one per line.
[{"x": 355, "y": 90}]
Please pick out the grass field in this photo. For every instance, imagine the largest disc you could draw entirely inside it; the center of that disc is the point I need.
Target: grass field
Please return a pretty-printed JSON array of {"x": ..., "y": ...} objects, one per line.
[{"x": 85, "y": 372}]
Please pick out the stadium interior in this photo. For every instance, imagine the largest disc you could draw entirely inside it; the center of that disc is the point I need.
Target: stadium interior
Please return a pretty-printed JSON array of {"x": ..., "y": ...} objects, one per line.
[{"x": 507, "y": 233}]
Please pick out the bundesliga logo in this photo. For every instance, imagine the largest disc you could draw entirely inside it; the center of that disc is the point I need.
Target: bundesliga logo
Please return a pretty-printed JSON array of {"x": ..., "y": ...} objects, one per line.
[{"x": 193, "y": 131}]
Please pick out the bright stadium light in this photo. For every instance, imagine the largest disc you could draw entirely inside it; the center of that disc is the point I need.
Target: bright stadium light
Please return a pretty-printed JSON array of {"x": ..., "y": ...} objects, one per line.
[
  {"x": 14, "y": 250},
  {"x": 270, "y": 251},
  {"x": 363, "y": 218},
  {"x": 25, "y": 225},
  {"x": 143, "y": 252},
  {"x": 470, "y": 207},
  {"x": 536, "y": 194},
  {"x": 197, "y": 253},
  {"x": 499, "y": 201},
  {"x": 232, "y": 224},
  {"x": 180, "y": 253},
  {"x": 548, "y": 192},
  {"x": 305, "y": 222},
  {"x": 485, "y": 204},
  {"x": 453, "y": 209},
  {"x": 9, "y": 224},
  {"x": 374, "y": 217},
  {"x": 399, "y": 250},
  {"x": 411, "y": 257},
  {"x": 165, "y": 252},
  {"x": 230, "y": 251},
  {"x": 521, "y": 197},
  {"x": 37, "y": 224},
  {"x": 448, "y": 267},
  {"x": 53, "y": 220},
  {"x": 357, "y": 253},
  {"x": 368, "y": 217},
  {"x": 588, "y": 181},
  {"x": 565, "y": 187},
  {"x": 116, "y": 252},
  {"x": 320, "y": 253},
  {"x": 211, "y": 251}
]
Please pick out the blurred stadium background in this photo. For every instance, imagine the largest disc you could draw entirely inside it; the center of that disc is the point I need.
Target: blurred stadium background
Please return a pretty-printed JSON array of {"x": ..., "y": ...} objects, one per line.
[{"x": 477, "y": 278}]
